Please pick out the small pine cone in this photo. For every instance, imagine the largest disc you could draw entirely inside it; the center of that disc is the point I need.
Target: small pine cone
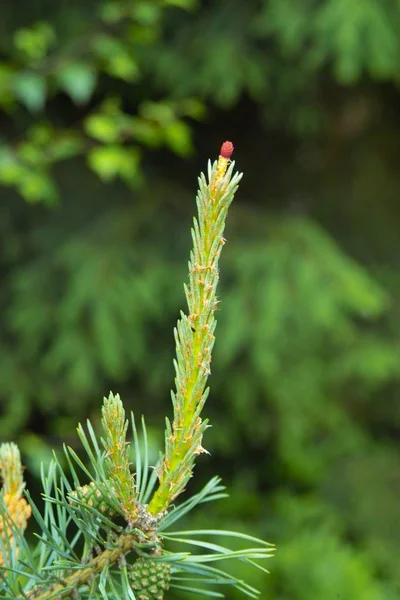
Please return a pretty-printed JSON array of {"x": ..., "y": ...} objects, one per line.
[
  {"x": 20, "y": 511},
  {"x": 150, "y": 578},
  {"x": 92, "y": 496}
]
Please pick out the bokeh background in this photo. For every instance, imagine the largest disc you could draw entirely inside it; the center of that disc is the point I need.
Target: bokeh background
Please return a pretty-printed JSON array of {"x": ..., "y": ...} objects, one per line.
[{"x": 109, "y": 109}]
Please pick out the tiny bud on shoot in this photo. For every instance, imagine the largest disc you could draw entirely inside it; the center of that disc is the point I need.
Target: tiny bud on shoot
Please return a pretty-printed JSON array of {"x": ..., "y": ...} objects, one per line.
[{"x": 226, "y": 149}]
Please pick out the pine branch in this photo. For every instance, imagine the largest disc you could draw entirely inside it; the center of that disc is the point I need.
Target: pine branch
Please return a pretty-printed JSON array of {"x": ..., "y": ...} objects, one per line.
[
  {"x": 117, "y": 457},
  {"x": 194, "y": 335},
  {"x": 99, "y": 538},
  {"x": 88, "y": 571}
]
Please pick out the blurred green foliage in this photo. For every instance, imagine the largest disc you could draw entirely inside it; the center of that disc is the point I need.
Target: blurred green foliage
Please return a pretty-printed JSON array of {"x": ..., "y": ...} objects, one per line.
[{"x": 108, "y": 111}]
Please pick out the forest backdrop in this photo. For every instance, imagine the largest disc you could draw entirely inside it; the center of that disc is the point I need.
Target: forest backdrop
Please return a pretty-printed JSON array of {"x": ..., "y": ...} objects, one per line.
[{"x": 108, "y": 111}]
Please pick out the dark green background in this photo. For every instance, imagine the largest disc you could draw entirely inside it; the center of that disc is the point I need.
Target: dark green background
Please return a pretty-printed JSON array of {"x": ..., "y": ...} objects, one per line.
[{"x": 108, "y": 112}]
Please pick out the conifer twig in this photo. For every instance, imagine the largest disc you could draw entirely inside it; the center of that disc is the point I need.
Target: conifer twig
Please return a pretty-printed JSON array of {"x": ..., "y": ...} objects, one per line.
[
  {"x": 194, "y": 335},
  {"x": 84, "y": 575},
  {"x": 115, "y": 444},
  {"x": 84, "y": 548}
]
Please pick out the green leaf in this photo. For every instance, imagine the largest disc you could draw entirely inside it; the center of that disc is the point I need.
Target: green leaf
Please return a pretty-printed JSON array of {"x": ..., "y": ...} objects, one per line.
[
  {"x": 78, "y": 80},
  {"x": 112, "y": 161},
  {"x": 122, "y": 65},
  {"x": 37, "y": 187},
  {"x": 146, "y": 13},
  {"x": 30, "y": 88},
  {"x": 102, "y": 127},
  {"x": 30, "y": 153},
  {"x": 146, "y": 132},
  {"x": 35, "y": 41},
  {"x": 66, "y": 146},
  {"x": 160, "y": 112},
  {"x": 192, "y": 107},
  {"x": 178, "y": 137},
  {"x": 116, "y": 57},
  {"x": 33, "y": 184},
  {"x": 10, "y": 169},
  {"x": 111, "y": 12},
  {"x": 41, "y": 133}
]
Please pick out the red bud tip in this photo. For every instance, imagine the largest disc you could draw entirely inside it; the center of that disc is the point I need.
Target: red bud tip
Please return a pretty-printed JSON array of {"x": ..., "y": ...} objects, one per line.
[{"x": 226, "y": 150}]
